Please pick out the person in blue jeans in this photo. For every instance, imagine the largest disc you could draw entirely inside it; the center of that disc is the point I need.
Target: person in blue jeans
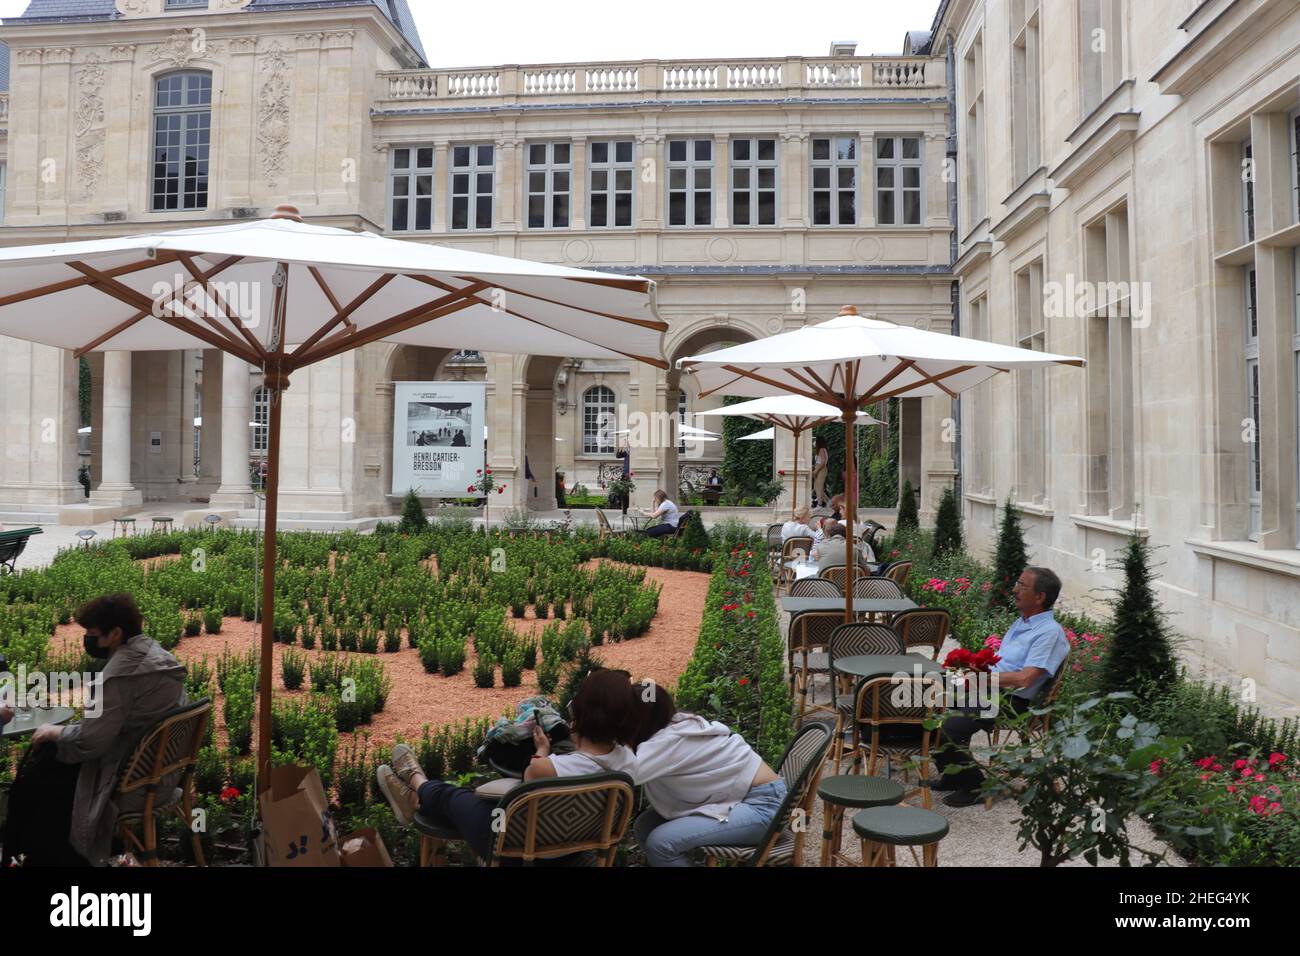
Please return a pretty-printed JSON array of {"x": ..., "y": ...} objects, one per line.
[
  {"x": 706, "y": 786},
  {"x": 602, "y": 713}
]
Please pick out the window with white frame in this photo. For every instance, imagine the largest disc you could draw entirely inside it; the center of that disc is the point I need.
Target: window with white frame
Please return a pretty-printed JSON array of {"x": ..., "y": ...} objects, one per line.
[
  {"x": 690, "y": 182},
  {"x": 1248, "y": 191},
  {"x": 410, "y": 178},
  {"x": 1031, "y": 388},
  {"x": 976, "y": 164},
  {"x": 753, "y": 181},
  {"x": 472, "y": 181},
  {"x": 261, "y": 419},
  {"x": 1293, "y": 125},
  {"x": 549, "y": 178},
  {"x": 599, "y": 416},
  {"x": 1254, "y": 476},
  {"x": 977, "y": 414},
  {"x": 1026, "y": 72},
  {"x": 182, "y": 131},
  {"x": 185, "y": 5},
  {"x": 835, "y": 180},
  {"x": 898, "y": 181},
  {"x": 609, "y": 177}
]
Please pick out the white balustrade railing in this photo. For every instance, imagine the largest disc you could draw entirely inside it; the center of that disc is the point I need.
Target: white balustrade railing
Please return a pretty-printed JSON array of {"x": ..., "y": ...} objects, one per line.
[{"x": 814, "y": 75}]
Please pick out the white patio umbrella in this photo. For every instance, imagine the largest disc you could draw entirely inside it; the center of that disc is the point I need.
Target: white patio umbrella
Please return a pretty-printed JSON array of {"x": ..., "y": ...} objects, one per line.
[
  {"x": 796, "y": 414},
  {"x": 690, "y": 431},
  {"x": 853, "y": 361},
  {"x": 282, "y": 294},
  {"x": 767, "y": 434}
]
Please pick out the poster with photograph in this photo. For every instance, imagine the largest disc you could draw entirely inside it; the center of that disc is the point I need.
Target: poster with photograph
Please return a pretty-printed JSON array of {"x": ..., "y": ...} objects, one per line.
[{"x": 438, "y": 437}]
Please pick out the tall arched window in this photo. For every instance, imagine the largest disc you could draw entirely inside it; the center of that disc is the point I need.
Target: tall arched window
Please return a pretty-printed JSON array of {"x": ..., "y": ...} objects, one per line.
[
  {"x": 182, "y": 130},
  {"x": 599, "y": 416},
  {"x": 262, "y": 419}
]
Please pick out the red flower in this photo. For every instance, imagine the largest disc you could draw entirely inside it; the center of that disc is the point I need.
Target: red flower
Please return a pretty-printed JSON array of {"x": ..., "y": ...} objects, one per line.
[
  {"x": 489, "y": 471},
  {"x": 229, "y": 795},
  {"x": 478, "y": 471},
  {"x": 1156, "y": 765},
  {"x": 1276, "y": 760},
  {"x": 781, "y": 472},
  {"x": 501, "y": 490},
  {"x": 958, "y": 657},
  {"x": 749, "y": 614},
  {"x": 470, "y": 488},
  {"x": 744, "y": 681}
]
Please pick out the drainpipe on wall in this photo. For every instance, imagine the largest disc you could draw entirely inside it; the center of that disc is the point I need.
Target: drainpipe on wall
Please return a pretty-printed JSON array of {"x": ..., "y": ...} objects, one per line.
[{"x": 955, "y": 291}]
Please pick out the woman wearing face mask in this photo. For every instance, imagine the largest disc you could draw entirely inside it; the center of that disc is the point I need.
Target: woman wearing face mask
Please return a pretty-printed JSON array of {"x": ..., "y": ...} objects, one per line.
[{"x": 60, "y": 813}]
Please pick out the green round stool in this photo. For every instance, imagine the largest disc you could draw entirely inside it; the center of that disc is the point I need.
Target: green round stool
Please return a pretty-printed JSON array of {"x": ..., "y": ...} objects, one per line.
[
  {"x": 850, "y": 790},
  {"x": 883, "y": 828}
]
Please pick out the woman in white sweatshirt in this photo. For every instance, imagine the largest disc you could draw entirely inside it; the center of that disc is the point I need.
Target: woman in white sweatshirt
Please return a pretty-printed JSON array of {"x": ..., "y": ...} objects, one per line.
[{"x": 706, "y": 785}]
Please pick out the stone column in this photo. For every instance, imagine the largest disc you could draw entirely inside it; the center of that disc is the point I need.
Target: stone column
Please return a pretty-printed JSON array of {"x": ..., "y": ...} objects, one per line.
[
  {"x": 578, "y": 184},
  {"x": 116, "y": 489},
  {"x": 721, "y": 183},
  {"x": 236, "y": 436}
]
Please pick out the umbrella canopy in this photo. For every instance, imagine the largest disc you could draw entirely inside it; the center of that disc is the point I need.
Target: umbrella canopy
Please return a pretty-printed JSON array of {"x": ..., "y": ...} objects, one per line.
[
  {"x": 216, "y": 287},
  {"x": 767, "y": 434},
  {"x": 859, "y": 360},
  {"x": 690, "y": 431},
  {"x": 796, "y": 414},
  {"x": 281, "y": 294},
  {"x": 852, "y": 361}
]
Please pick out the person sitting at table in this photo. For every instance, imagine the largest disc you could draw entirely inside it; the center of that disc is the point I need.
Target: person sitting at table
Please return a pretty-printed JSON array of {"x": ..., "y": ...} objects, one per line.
[
  {"x": 705, "y": 785},
  {"x": 832, "y": 551},
  {"x": 837, "y": 507},
  {"x": 60, "y": 807},
  {"x": 797, "y": 526},
  {"x": 667, "y": 513},
  {"x": 602, "y": 721},
  {"x": 1033, "y": 650},
  {"x": 715, "y": 479}
]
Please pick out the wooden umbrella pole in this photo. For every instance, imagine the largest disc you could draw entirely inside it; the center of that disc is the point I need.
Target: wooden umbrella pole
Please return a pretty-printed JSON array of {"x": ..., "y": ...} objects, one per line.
[
  {"x": 850, "y": 490},
  {"x": 794, "y": 495},
  {"x": 269, "y": 560}
]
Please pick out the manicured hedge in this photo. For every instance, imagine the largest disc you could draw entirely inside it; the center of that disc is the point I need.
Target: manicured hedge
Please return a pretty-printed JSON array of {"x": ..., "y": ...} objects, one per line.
[{"x": 737, "y": 672}]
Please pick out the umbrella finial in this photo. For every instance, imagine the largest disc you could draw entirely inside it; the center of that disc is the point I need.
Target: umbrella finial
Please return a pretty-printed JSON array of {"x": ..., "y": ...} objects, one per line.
[
  {"x": 848, "y": 310},
  {"x": 286, "y": 211}
]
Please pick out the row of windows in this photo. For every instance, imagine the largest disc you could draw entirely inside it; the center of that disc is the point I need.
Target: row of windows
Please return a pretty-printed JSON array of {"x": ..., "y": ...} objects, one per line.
[
  {"x": 753, "y": 170},
  {"x": 1248, "y": 177}
]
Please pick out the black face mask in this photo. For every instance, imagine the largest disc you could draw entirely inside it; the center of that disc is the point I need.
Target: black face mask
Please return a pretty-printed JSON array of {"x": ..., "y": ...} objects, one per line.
[{"x": 93, "y": 648}]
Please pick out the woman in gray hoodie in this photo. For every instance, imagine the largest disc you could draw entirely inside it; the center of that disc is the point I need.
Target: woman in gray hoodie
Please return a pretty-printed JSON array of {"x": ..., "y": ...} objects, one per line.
[{"x": 140, "y": 683}]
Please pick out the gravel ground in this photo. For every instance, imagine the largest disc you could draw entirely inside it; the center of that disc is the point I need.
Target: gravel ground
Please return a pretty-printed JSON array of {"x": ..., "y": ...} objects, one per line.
[{"x": 977, "y": 836}]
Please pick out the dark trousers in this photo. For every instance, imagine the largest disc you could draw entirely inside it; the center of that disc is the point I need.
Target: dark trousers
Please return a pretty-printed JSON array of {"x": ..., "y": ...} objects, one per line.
[
  {"x": 954, "y": 742},
  {"x": 463, "y": 809},
  {"x": 40, "y": 811},
  {"x": 660, "y": 531}
]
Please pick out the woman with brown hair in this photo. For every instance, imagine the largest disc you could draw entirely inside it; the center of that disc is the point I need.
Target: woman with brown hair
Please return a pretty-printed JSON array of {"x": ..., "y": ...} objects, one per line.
[
  {"x": 664, "y": 510},
  {"x": 602, "y": 714}
]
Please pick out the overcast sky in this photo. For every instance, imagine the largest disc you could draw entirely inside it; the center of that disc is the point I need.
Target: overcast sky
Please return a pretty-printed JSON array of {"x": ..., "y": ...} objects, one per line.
[{"x": 489, "y": 32}]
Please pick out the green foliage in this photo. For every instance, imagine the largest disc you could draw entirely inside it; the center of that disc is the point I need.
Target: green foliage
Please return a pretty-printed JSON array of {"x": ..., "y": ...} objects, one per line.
[
  {"x": 355, "y": 771},
  {"x": 85, "y": 390},
  {"x": 1140, "y": 656},
  {"x": 947, "y": 527},
  {"x": 1010, "y": 560},
  {"x": 576, "y": 673},
  {"x": 212, "y": 620},
  {"x": 485, "y": 670},
  {"x": 303, "y": 731},
  {"x": 237, "y": 688},
  {"x": 879, "y": 477},
  {"x": 548, "y": 675},
  {"x": 908, "y": 518},
  {"x": 512, "y": 666},
  {"x": 1079, "y": 786},
  {"x": 414, "y": 519},
  {"x": 292, "y": 667},
  {"x": 746, "y": 465}
]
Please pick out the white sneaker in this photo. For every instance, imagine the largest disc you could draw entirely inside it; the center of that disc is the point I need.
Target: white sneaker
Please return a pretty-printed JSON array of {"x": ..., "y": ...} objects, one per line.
[{"x": 398, "y": 794}]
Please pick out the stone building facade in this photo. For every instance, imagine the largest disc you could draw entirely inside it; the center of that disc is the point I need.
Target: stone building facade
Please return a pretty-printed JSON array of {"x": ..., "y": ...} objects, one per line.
[
  {"x": 1129, "y": 193},
  {"x": 759, "y": 194}
]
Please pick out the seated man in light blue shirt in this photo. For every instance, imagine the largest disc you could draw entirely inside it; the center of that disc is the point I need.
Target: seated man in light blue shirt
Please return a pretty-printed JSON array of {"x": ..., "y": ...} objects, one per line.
[{"x": 1033, "y": 651}]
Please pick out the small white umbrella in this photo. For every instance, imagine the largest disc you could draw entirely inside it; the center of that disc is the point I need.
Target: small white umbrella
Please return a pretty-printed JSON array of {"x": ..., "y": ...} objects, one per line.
[
  {"x": 853, "y": 361},
  {"x": 796, "y": 414},
  {"x": 282, "y": 294},
  {"x": 767, "y": 434}
]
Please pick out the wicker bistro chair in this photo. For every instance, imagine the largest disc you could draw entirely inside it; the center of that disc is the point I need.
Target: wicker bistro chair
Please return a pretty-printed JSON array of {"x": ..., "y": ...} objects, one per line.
[
  {"x": 170, "y": 746},
  {"x": 584, "y": 817},
  {"x": 806, "y": 651},
  {"x": 881, "y": 589},
  {"x": 815, "y": 587},
  {"x": 923, "y": 627},
  {"x": 898, "y": 572},
  {"x": 801, "y": 767},
  {"x": 882, "y": 728},
  {"x": 849, "y": 640},
  {"x": 605, "y": 528},
  {"x": 1036, "y": 725},
  {"x": 794, "y": 547},
  {"x": 774, "y": 548}
]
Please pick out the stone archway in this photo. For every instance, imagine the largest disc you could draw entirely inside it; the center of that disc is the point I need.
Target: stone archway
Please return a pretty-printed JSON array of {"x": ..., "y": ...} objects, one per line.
[{"x": 539, "y": 437}]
